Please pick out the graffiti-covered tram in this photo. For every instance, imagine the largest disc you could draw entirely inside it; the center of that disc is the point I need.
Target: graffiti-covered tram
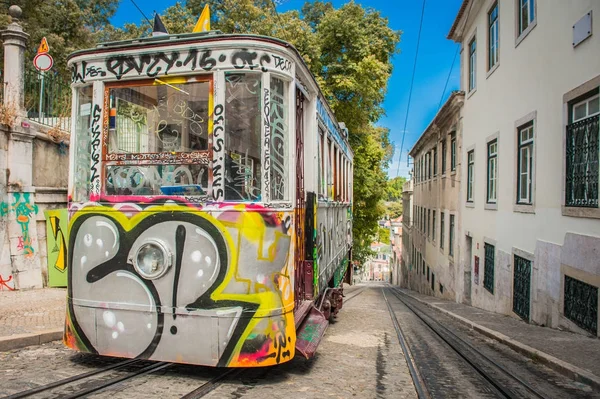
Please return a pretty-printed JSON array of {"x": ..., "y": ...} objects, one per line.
[{"x": 210, "y": 193}]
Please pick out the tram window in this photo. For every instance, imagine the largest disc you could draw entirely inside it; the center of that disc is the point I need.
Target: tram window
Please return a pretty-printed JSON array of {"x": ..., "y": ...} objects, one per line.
[
  {"x": 336, "y": 193},
  {"x": 159, "y": 116},
  {"x": 279, "y": 140},
  {"x": 329, "y": 171},
  {"x": 242, "y": 137},
  {"x": 82, "y": 144},
  {"x": 322, "y": 191}
]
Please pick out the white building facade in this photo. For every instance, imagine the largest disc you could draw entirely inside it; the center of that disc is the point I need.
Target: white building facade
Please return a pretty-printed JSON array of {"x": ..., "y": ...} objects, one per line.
[
  {"x": 435, "y": 251},
  {"x": 530, "y": 71}
]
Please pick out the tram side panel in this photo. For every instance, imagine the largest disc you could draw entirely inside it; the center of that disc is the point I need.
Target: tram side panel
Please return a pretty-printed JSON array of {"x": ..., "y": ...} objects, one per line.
[
  {"x": 331, "y": 244},
  {"x": 226, "y": 299}
]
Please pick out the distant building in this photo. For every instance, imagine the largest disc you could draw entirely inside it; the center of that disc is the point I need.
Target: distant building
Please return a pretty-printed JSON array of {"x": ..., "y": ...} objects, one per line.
[
  {"x": 406, "y": 264},
  {"x": 378, "y": 267},
  {"x": 397, "y": 247},
  {"x": 434, "y": 248},
  {"x": 529, "y": 194}
]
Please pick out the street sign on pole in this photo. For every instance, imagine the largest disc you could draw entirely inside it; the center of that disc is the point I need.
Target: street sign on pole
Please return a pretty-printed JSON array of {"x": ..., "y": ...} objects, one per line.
[{"x": 43, "y": 61}]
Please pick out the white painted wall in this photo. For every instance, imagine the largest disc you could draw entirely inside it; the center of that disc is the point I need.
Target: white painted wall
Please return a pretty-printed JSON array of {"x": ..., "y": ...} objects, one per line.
[{"x": 532, "y": 76}]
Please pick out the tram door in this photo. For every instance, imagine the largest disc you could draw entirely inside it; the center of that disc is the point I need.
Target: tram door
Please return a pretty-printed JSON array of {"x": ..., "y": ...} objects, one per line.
[{"x": 300, "y": 212}]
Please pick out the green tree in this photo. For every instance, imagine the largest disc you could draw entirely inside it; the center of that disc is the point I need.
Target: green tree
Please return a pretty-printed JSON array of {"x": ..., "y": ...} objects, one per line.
[
  {"x": 68, "y": 25},
  {"x": 383, "y": 235},
  {"x": 394, "y": 188},
  {"x": 393, "y": 210}
]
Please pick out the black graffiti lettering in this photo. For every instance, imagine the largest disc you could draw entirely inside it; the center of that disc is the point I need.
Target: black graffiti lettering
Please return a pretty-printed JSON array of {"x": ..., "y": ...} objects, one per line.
[
  {"x": 218, "y": 145},
  {"x": 243, "y": 58},
  {"x": 206, "y": 62},
  {"x": 157, "y": 58},
  {"x": 282, "y": 64},
  {"x": 95, "y": 142},
  {"x": 193, "y": 58},
  {"x": 264, "y": 59},
  {"x": 75, "y": 75},
  {"x": 120, "y": 65}
]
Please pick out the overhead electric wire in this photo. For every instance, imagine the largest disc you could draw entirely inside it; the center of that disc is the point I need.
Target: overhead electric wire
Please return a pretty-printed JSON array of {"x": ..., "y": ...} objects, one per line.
[
  {"x": 144, "y": 15},
  {"x": 448, "y": 78},
  {"x": 412, "y": 81},
  {"x": 453, "y": 61},
  {"x": 273, "y": 3}
]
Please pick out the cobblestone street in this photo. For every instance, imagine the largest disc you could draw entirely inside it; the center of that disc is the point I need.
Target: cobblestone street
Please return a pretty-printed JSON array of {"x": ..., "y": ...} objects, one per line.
[
  {"x": 360, "y": 356},
  {"x": 31, "y": 311}
]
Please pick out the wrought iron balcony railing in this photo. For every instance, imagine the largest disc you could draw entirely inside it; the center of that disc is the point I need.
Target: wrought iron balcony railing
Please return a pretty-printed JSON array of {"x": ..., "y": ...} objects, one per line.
[{"x": 582, "y": 176}]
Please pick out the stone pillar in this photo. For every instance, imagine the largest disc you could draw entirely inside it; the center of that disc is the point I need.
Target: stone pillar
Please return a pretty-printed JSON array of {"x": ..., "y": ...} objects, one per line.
[
  {"x": 18, "y": 209},
  {"x": 14, "y": 57}
]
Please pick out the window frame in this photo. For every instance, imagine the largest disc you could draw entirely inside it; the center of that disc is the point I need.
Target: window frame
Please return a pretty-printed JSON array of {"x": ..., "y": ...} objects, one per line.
[
  {"x": 444, "y": 156},
  {"x": 435, "y": 161},
  {"x": 442, "y": 226},
  {"x": 492, "y": 181},
  {"x": 470, "y": 175},
  {"x": 493, "y": 58},
  {"x": 520, "y": 31},
  {"x": 472, "y": 64},
  {"x": 451, "y": 235},
  {"x": 453, "y": 154},
  {"x": 489, "y": 281},
  {"x": 528, "y": 145}
]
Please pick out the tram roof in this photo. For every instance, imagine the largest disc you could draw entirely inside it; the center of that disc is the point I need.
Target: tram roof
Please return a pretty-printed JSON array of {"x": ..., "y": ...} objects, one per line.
[{"x": 213, "y": 35}]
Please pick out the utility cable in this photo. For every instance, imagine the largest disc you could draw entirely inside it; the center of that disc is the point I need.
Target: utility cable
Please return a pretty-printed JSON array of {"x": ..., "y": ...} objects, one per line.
[
  {"x": 412, "y": 81},
  {"x": 144, "y": 15}
]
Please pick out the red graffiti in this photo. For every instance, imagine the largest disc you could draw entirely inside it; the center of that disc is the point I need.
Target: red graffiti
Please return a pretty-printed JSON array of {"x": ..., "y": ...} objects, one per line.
[{"x": 4, "y": 283}]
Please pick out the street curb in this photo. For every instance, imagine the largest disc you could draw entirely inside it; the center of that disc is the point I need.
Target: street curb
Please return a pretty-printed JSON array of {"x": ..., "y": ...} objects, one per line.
[
  {"x": 567, "y": 369},
  {"x": 22, "y": 340}
]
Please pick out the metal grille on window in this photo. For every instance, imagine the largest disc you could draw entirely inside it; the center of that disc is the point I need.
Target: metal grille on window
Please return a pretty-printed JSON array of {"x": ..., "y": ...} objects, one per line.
[
  {"x": 582, "y": 163},
  {"x": 522, "y": 287},
  {"x": 488, "y": 273},
  {"x": 581, "y": 304}
]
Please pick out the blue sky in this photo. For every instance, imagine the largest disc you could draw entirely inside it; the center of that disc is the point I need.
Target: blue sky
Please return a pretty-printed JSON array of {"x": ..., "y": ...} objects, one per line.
[{"x": 433, "y": 64}]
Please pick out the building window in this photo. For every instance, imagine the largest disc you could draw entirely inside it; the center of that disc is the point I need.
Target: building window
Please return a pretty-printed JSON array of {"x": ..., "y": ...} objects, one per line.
[
  {"x": 429, "y": 165},
  {"x": 492, "y": 171},
  {"x": 432, "y": 281},
  {"x": 488, "y": 272},
  {"x": 582, "y": 168},
  {"x": 427, "y": 273},
  {"x": 428, "y": 222},
  {"x": 526, "y": 14},
  {"x": 453, "y": 154},
  {"x": 451, "y": 243},
  {"x": 435, "y": 161},
  {"x": 433, "y": 226},
  {"x": 493, "y": 37},
  {"x": 472, "y": 63},
  {"x": 444, "y": 157},
  {"x": 470, "y": 170},
  {"x": 581, "y": 304},
  {"x": 525, "y": 164},
  {"x": 442, "y": 221}
]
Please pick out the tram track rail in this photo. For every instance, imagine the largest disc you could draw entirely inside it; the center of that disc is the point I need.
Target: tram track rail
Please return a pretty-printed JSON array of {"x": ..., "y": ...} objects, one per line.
[{"x": 502, "y": 381}]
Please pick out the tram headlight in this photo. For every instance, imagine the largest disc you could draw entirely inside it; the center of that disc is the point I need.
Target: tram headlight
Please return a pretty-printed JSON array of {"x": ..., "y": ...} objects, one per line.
[{"x": 152, "y": 259}]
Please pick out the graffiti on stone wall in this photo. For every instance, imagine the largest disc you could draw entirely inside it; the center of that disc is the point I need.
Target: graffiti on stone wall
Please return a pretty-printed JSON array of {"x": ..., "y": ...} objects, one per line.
[
  {"x": 56, "y": 244},
  {"x": 7, "y": 284},
  {"x": 23, "y": 209},
  {"x": 226, "y": 299}
]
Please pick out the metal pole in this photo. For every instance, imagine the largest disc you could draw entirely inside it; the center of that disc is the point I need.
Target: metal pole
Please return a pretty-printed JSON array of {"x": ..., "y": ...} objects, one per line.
[{"x": 40, "y": 114}]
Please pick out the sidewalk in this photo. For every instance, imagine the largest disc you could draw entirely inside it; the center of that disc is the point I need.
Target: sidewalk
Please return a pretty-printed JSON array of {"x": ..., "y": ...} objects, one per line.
[
  {"x": 31, "y": 317},
  {"x": 573, "y": 355}
]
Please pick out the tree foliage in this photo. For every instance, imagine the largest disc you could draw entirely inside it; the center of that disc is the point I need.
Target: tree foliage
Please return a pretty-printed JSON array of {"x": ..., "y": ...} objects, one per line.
[
  {"x": 68, "y": 25},
  {"x": 394, "y": 188}
]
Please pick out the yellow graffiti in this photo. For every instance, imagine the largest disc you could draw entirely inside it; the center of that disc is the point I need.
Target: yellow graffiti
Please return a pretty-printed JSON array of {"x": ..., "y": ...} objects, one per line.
[{"x": 274, "y": 316}]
